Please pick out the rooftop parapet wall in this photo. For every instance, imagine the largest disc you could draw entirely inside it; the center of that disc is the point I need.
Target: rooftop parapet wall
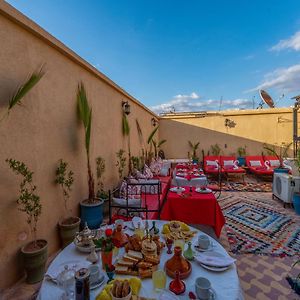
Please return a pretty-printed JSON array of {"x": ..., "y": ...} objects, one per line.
[
  {"x": 46, "y": 129},
  {"x": 252, "y": 128}
]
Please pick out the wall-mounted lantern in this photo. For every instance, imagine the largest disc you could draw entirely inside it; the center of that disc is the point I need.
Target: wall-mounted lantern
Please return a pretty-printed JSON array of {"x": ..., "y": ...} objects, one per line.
[
  {"x": 154, "y": 122},
  {"x": 126, "y": 107},
  {"x": 229, "y": 123}
]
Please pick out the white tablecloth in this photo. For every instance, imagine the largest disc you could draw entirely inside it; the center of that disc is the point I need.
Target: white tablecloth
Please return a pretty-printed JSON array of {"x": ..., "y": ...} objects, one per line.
[{"x": 226, "y": 284}]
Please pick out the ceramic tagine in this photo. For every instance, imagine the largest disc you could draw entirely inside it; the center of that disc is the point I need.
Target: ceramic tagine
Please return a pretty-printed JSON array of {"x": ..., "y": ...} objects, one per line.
[
  {"x": 178, "y": 263},
  {"x": 177, "y": 286}
]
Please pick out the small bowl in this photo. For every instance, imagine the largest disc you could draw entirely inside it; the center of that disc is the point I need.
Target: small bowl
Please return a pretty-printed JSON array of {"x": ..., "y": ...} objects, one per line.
[{"x": 128, "y": 297}]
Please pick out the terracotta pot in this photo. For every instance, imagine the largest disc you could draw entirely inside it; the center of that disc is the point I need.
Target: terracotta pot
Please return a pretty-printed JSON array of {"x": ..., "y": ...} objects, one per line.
[
  {"x": 67, "y": 230},
  {"x": 35, "y": 260}
]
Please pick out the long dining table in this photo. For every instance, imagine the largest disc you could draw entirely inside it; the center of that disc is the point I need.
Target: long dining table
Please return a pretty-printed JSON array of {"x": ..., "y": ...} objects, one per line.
[
  {"x": 226, "y": 284},
  {"x": 194, "y": 207}
]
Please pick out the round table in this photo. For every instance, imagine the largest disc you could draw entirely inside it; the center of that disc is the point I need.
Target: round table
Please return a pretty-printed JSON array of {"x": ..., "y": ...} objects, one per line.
[{"x": 226, "y": 284}]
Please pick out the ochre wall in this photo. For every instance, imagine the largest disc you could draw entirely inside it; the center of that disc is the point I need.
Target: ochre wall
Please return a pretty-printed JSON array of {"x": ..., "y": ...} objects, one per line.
[
  {"x": 253, "y": 128},
  {"x": 46, "y": 129}
]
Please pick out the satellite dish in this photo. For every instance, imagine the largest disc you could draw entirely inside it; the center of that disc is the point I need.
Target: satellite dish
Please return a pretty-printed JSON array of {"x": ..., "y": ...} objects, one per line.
[{"x": 266, "y": 98}]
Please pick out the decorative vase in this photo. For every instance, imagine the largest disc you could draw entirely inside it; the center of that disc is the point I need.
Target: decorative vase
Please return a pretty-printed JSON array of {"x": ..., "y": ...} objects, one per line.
[
  {"x": 177, "y": 286},
  {"x": 189, "y": 253},
  {"x": 106, "y": 258},
  {"x": 178, "y": 263},
  {"x": 35, "y": 260}
]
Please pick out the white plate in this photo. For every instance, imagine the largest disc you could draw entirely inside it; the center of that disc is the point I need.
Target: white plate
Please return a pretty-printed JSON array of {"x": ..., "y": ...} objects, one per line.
[
  {"x": 177, "y": 189},
  {"x": 206, "y": 191},
  {"x": 215, "y": 269},
  {"x": 98, "y": 283}
]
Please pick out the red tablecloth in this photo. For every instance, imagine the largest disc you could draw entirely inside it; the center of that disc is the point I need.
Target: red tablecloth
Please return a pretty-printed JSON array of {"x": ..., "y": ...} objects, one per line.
[{"x": 194, "y": 208}]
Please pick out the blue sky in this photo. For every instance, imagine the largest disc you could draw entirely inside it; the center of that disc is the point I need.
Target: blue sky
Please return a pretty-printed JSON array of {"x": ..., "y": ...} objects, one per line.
[{"x": 183, "y": 54}]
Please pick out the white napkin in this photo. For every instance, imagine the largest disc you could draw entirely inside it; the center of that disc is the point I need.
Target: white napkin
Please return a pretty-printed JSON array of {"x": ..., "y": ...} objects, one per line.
[{"x": 214, "y": 261}]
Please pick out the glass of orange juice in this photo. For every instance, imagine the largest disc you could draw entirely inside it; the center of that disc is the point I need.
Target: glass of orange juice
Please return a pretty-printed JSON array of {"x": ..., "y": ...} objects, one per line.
[
  {"x": 179, "y": 243},
  {"x": 159, "y": 279}
]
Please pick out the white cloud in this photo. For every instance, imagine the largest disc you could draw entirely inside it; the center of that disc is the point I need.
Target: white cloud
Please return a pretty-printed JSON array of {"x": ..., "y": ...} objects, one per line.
[
  {"x": 188, "y": 103},
  {"x": 284, "y": 80},
  {"x": 293, "y": 42}
]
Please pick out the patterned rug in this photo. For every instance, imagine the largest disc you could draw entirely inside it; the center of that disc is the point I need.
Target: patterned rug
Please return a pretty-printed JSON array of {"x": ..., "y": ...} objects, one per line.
[
  {"x": 260, "y": 226},
  {"x": 242, "y": 187}
]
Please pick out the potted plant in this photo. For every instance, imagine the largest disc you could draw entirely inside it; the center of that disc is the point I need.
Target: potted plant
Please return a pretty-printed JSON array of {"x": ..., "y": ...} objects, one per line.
[
  {"x": 35, "y": 252},
  {"x": 101, "y": 193},
  {"x": 241, "y": 155},
  {"x": 194, "y": 147},
  {"x": 283, "y": 151},
  {"x": 215, "y": 149},
  {"x": 121, "y": 163},
  {"x": 295, "y": 282},
  {"x": 69, "y": 225},
  {"x": 91, "y": 209}
]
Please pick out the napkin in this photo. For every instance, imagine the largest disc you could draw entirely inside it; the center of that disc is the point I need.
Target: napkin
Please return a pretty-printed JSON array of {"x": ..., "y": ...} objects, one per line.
[{"x": 215, "y": 261}]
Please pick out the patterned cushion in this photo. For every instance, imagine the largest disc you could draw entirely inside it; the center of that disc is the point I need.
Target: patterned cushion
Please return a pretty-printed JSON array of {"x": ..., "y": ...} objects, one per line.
[
  {"x": 155, "y": 167},
  {"x": 147, "y": 172},
  {"x": 134, "y": 191}
]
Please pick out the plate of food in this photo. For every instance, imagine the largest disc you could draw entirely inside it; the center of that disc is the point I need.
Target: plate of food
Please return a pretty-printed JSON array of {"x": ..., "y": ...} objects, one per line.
[
  {"x": 203, "y": 190},
  {"x": 176, "y": 230},
  {"x": 177, "y": 189}
]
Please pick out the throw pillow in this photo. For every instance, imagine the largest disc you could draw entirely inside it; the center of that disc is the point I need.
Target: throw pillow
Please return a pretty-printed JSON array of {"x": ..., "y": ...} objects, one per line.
[
  {"x": 255, "y": 163},
  {"x": 147, "y": 172},
  {"x": 274, "y": 163}
]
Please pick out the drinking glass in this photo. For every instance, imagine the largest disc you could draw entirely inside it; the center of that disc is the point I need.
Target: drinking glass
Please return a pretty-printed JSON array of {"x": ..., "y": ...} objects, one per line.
[
  {"x": 179, "y": 243},
  {"x": 159, "y": 279}
]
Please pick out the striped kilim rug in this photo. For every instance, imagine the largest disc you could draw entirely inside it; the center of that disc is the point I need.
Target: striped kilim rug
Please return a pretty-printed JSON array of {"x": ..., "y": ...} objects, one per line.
[{"x": 258, "y": 226}]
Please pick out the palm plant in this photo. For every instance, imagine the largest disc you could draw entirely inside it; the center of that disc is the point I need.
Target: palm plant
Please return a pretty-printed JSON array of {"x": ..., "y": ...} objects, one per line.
[
  {"x": 241, "y": 151},
  {"x": 85, "y": 115},
  {"x": 126, "y": 133},
  {"x": 194, "y": 147},
  {"x": 22, "y": 91},
  {"x": 100, "y": 169},
  {"x": 147, "y": 152},
  {"x": 157, "y": 146},
  {"x": 283, "y": 151},
  {"x": 215, "y": 149}
]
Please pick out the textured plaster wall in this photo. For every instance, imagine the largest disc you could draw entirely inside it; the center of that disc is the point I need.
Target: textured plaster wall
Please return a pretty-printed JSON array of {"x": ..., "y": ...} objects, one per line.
[
  {"x": 46, "y": 129},
  {"x": 253, "y": 128}
]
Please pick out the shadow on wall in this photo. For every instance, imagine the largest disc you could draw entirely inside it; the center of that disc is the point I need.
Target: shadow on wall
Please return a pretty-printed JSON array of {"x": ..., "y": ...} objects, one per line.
[{"x": 178, "y": 134}]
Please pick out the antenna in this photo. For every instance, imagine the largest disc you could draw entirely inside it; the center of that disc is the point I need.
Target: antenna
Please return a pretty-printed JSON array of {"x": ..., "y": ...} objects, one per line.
[{"x": 220, "y": 105}]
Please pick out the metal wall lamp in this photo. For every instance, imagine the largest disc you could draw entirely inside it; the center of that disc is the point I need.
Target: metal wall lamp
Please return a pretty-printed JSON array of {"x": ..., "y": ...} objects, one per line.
[{"x": 126, "y": 107}]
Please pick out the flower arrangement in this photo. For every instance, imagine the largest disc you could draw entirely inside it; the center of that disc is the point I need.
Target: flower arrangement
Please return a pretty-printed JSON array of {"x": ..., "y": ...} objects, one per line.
[{"x": 105, "y": 242}]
